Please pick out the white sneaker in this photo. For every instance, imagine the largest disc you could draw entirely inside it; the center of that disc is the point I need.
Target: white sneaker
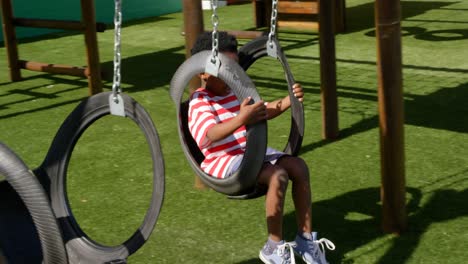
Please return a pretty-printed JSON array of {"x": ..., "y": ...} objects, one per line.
[
  {"x": 282, "y": 254},
  {"x": 312, "y": 250}
]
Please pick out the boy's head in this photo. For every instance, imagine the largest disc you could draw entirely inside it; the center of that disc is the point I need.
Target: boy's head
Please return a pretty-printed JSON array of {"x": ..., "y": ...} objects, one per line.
[{"x": 226, "y": 43}]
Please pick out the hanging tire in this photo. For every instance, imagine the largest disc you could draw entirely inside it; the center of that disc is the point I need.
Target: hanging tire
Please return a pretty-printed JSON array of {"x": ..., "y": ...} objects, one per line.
[
  {"x": 80, "y": 248},
  {"x": 248, "y": 55},
  {"x": 244, "y": 181},
  {"x": 29, "y": 189}
]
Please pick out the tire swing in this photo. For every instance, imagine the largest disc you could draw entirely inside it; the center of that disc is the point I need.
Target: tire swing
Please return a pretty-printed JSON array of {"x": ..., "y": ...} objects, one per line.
[
  {"x": 81, "y": 248},
  {"x": 36, "y": 201},
  {"x": 242, "y": 184},
  {"x": 268, "y": 45}
]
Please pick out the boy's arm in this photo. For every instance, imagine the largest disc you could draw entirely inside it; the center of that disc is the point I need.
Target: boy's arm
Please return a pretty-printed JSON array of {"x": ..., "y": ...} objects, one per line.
[
  {"x": 277, "y": 107},
  {"x": 248, "y": 114}
]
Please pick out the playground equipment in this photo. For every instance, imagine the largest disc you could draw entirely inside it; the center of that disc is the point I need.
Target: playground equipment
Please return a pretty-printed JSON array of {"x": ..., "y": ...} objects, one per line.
[
  {"x": 242, "y": 184},
  {"x": 87, "y": 25},
  {"x": 61, "y": 237},
  {"x": 299, "y": 14}
]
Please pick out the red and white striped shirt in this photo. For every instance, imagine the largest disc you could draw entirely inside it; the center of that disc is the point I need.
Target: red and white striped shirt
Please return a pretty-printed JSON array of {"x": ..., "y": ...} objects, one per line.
[{"x": 206, "y": 110}]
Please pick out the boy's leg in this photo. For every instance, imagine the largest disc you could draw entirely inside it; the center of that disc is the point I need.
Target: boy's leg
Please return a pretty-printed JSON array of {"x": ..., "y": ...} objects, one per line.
[
  {"x": 306, "y": 243},
  {"x": 276, "y": 179},
  {"x": 299, "y": 174}
]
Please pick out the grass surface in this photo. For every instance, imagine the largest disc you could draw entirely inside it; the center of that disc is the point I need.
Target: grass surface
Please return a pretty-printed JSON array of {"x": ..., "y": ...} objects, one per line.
[{"x": 110, "y": 172}]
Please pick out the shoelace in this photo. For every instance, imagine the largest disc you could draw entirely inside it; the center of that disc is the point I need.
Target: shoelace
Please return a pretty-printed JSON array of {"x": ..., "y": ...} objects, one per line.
[
  {"x": 322, "y": 243},
  {"x": 282, "y": 251}
]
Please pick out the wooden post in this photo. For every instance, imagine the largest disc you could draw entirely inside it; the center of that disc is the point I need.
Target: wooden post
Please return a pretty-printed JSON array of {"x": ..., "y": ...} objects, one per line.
[
  {"x": 11, "y": 44},
  {"x": 193, "y": 26},
  {"x": 390, "y": 94},
  {"x": 259, "y": 13},
  {"x": 339, "y": 14},
  {"x": 88, "y": 18},
  {"x": 328, "y": 71}
]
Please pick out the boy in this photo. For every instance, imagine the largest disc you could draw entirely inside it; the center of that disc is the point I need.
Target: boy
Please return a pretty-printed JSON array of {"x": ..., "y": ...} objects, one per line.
[{"x": 217, "y": 122}]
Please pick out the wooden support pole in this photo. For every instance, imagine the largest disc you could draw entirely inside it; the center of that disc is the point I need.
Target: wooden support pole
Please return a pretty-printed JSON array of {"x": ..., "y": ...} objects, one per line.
[
  {"x": 193, "y": 23},
  {"x": 390, "y": 94},
  {"x": 11, "y": 44},
  {"x": 193, "y": 26},
  {"x": 340, "y": 15},
  {"x": 259, "y": 13},
  {"x": 328, "y": 71},
  {"x": 88, "y": 18}
]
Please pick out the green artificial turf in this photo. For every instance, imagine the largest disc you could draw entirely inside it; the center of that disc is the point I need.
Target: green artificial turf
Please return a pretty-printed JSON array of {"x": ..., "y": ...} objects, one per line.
[{"x": 109, "y": 177}]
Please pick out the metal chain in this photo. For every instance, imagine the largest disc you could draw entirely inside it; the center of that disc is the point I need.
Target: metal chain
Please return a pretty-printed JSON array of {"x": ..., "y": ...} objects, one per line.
[
  {"x": 214, "y": 35},
  {"x": 274, "y": 16},
  {"x": 117, "y": 56}
]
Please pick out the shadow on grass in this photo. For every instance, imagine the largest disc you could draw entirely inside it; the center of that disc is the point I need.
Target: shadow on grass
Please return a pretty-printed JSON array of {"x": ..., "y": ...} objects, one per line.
[
  {"x": 361, "y": 17},
  {"x": 444, "y": 109},
  {"x": 352, "y": 220},
  {"x": 147, "y": 71},
  {"x": 143, "y": 72}
]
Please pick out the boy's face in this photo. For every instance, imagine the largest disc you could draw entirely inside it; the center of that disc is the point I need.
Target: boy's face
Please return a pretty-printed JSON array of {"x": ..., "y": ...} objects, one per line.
[{"x": 216, "y": 85}]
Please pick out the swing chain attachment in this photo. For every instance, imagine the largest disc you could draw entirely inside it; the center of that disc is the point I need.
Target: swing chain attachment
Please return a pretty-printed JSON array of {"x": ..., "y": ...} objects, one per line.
[
  {"x": 213, "y": 63},
  {"x": 116, "y": 102},
  {"x": 271, "y": 45}
]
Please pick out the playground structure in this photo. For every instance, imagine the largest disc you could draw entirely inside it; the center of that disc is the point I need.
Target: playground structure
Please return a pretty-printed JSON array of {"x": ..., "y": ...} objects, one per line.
[
  {"x": 302, "y": 15},
  {"x": 391, "y": 119},
  {"x": 87, "y": 25}
]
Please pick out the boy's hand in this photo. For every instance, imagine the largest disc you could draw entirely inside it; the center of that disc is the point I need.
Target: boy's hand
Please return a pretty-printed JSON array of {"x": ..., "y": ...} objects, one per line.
[
  {"x": 298, "y": 92},
  {"x": 252, "y": 113}
]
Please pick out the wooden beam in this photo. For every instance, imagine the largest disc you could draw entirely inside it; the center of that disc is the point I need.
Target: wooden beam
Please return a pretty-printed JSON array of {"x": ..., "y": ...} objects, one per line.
[
  {"x": 391, "y": 115},
  {"x": 295, "y": 7},
  {"x": 9, "y": 37},
  {"x": 328, "y": 71},
  {"x": 54, "y": 68},
  {"x": 301, "y": 25},
  {"x": 245, "y": 34}
]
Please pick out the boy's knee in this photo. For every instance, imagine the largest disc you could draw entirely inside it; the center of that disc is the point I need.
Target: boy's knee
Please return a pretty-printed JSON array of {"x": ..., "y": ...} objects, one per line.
[
  {"x": 280, "y": 177},
  {"x": 299, "y": 169}
]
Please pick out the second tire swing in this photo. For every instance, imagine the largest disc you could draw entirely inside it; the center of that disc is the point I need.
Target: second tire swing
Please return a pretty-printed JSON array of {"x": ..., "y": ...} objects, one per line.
[{"x": 243, "y": 183}]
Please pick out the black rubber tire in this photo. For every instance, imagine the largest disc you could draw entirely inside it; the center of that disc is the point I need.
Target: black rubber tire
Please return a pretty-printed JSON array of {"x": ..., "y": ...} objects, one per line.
[
  {"x": 80, "y": 248},
  {"x": 244, "y": 180},
  {"x": 28, "y": 187},
  {"x": 249, "y": 54}
]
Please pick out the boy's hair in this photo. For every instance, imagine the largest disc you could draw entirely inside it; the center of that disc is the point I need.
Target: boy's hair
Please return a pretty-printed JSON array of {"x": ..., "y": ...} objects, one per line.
[{"x": 226, "y": 42}]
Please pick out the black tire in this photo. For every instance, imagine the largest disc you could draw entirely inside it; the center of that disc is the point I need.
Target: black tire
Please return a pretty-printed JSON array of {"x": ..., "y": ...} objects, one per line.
[
  {"x": 248, "y": 55},
  {"x": 80, "y": 248},
  {"x": 28, "y": 187},
  {"x": 244, "y": 180}
]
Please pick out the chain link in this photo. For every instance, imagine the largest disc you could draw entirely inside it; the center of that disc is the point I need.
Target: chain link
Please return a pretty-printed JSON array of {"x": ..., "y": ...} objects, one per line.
[
  {"x": 117, "y": 56},
  {"x": 214, "y": 35},
  {"x": 274, "y": 16}
]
